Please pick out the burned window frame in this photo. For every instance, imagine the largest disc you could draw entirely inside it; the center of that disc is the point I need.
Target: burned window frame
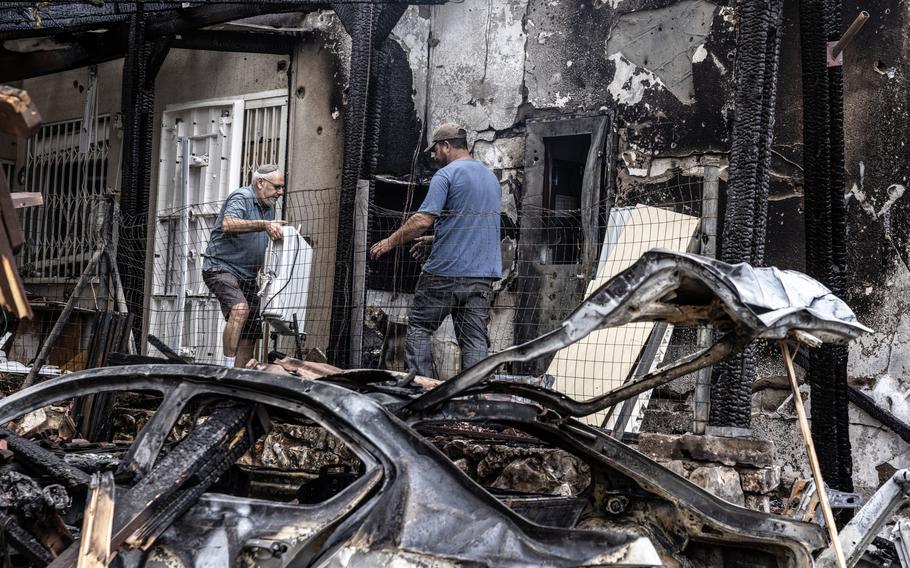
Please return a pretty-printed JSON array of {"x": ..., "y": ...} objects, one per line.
[
  {"x": 540, "y": 307},
  {"x": 595, "y": 183}
]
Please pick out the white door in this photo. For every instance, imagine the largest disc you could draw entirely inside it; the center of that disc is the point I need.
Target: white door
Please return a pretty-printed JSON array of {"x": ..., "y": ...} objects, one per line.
[
  {"x": 207, "y": 150},
  {"x": 199, "y": 165}
]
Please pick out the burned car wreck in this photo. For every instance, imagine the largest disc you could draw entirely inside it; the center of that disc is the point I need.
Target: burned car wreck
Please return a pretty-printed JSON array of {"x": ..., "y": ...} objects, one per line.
[{"x": 193, "y": 486}]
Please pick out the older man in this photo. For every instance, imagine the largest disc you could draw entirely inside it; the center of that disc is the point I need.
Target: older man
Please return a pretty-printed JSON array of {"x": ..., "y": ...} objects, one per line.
[
  {"x": 464, "y": 204},
  {"x": 235, "y": 254}
]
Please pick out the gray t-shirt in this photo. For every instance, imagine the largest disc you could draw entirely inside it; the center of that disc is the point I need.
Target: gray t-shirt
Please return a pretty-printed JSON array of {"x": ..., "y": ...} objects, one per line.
[
  {"x": 239, "y": 253},
  {"x": 465, "y": 197}
]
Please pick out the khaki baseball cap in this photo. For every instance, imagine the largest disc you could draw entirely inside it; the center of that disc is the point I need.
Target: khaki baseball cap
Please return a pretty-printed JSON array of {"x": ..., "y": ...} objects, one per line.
[{"x": 447, "y": 131}]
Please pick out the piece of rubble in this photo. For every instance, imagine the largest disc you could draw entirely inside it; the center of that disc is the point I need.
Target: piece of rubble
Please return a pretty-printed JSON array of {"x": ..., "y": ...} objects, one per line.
[
  {"x": 727, "y": 451},
  {"x": 291, "y": 446},
  {"x": 50, "y": 420},
  {"x": 758, "y": 503},
  {"x": 720, "y": 481},
  {"x": 292, "y": 366},
  {"x": 762, "y": 480},
  {"x": 551, "y": 473},
  {"x": 21, "y": 494},
  {"x": 5, "y": 453},
  {"x": 678, "y": 467}
]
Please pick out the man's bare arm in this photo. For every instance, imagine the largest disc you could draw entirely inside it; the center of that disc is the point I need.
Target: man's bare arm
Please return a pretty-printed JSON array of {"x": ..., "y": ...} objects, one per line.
[
  {"x": 416, "y": 225},
  {"x": 231, "y": 224}
]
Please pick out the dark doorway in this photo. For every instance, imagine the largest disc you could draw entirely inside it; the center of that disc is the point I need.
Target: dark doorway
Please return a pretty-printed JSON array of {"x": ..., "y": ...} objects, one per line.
[{"x": 566, "y": 157}]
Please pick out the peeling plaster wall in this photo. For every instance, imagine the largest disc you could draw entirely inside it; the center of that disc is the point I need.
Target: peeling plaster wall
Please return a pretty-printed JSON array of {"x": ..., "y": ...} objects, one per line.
[
  {"x": 477, "y": 67},
  {"x": 633, "y": 40},
  {"x": 663, "y": 66},
  {"x": 877, "y": 118}
]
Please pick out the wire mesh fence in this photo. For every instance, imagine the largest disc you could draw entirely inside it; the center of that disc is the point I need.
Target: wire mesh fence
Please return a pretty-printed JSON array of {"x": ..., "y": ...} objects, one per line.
[{"x": 551, "y": 260}]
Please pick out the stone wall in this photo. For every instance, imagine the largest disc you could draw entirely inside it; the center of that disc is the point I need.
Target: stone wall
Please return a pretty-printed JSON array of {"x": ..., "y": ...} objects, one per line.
[{"x": 739, "y": 470}]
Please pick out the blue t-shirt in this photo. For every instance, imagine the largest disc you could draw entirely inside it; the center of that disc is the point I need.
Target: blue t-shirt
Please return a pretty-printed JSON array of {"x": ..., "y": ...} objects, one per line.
[
  {"x": 239, "y": 253},
  {"x": 465, "y": 198}
]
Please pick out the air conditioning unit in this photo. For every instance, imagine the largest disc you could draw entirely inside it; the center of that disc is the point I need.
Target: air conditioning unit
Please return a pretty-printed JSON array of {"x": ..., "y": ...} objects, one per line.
[{"x": 285, "y": 282}]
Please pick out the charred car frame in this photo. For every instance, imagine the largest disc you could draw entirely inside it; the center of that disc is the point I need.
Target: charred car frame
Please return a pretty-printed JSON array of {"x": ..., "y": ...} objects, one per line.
[{"x": 180, "y": 499}]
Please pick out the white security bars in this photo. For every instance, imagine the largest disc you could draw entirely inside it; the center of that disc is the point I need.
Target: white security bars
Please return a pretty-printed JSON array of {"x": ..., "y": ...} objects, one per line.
[{"x": 60, "y": 236}]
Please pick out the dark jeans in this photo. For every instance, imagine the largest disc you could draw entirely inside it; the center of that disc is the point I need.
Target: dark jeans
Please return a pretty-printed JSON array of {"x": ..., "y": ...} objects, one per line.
[{"x": 467, "y": 300}]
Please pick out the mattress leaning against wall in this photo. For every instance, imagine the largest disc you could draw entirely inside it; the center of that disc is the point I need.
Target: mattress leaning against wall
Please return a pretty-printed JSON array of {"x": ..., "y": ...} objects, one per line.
[{"x": 602, "y": 361}]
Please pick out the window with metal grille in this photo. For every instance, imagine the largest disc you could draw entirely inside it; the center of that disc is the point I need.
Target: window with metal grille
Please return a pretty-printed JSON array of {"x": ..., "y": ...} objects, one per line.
[
  {"x": 264, "y": 122},
  {"x": 69, "y": 168}
]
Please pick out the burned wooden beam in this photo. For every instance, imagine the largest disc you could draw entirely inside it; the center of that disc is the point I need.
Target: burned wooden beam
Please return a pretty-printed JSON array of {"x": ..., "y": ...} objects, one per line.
[
  {"x": 201, "y": 455},
  {"x": 44, "y": 462},
  {"x": 23, "y": 542},
  {"x": 17, "y": 66},
  {"x": 246, "y": 42},
  {"x": 95, "y": 548},
  {"x": 19, "y": 20},
  {"x": 169, "y": 353}
]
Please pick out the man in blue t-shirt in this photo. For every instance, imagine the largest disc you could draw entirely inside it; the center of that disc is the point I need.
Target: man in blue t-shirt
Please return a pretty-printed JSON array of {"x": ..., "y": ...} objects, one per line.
[
  {"x": 463, "y": 204},
  {"x": 234, "y": 256}
]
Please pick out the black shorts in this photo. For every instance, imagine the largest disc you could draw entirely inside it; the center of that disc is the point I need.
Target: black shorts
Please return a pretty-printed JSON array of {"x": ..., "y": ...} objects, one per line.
[{"x": 231, "y": 291}]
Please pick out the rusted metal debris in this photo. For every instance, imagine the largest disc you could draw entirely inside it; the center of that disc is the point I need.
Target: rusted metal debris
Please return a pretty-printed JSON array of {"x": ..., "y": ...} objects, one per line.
[{"x": 300, "y": 463}]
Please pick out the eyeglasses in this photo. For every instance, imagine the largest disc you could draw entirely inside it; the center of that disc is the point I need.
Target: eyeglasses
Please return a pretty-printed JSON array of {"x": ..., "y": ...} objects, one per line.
[{"x": 276, "y": 186}]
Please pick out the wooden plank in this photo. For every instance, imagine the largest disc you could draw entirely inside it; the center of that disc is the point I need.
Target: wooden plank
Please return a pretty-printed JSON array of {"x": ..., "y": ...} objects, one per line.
[
  {"x": 12, "y": 293},
  {"x": 806, "y": 431},
  {"x": 97, "y": 523},
  {"x": 9, "y": 221},
  {"x": 26, "y": 199}
]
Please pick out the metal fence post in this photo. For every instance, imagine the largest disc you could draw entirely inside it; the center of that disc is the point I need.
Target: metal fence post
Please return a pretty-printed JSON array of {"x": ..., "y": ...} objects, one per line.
[{"x": 710, "y": 191}]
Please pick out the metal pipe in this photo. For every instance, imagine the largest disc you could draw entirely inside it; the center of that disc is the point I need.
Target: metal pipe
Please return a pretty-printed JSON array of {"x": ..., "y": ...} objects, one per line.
[
  {"x": 358, "y": 286},
  {"x": 845, "y": 39},
  {"x": 182, "y": 268}
]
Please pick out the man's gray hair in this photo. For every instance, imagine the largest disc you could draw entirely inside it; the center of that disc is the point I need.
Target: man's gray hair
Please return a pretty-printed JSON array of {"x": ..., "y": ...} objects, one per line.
[{"x": 264, "y": 172}]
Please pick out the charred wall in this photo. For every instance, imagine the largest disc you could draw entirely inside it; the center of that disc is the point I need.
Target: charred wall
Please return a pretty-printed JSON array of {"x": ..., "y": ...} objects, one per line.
[
  {"x": 660, "y": 70},
  {"x": 664, "y": 71},
  {"x": 877, "y": 118},
  {"x": 877, "y": 167}
]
